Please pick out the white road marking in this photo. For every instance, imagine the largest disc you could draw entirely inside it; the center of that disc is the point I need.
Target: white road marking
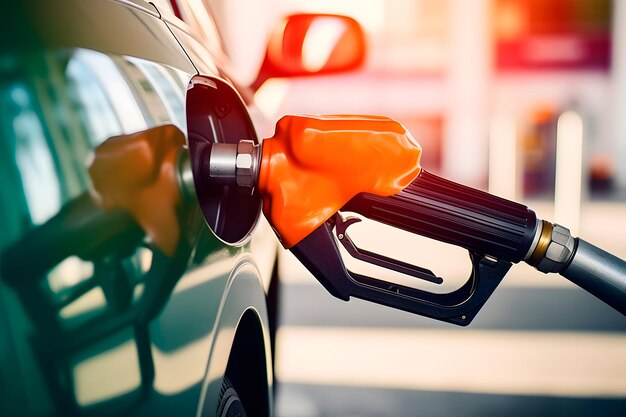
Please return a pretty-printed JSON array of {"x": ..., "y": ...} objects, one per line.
[{"x": 460, "y": 360}]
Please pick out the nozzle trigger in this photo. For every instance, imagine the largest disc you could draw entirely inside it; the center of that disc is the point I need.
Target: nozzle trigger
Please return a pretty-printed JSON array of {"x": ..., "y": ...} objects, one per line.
[{"x": 341, "y": 230}]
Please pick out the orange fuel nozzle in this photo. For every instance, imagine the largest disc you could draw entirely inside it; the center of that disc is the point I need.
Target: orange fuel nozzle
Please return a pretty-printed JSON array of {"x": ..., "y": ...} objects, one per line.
[
  {"x": 316, "y": 166},
  {"x": 313, "y": 165},
  {"x": 138, "y": 173}
]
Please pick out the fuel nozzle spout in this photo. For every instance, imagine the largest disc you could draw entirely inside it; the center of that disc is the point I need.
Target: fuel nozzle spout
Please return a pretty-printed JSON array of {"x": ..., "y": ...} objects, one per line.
[{"x": 234, "y": 164}]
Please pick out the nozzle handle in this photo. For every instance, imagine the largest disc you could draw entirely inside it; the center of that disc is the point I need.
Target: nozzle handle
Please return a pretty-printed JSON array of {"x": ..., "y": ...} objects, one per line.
[
  {"x": 599, "y": 273},
  {"x": 319, "y": 253},
  {"x": 443, "y": 210}
]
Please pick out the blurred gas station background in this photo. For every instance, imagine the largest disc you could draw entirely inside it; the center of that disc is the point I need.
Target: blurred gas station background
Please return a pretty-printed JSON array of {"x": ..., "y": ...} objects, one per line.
[{"x": 523, "y": 98}]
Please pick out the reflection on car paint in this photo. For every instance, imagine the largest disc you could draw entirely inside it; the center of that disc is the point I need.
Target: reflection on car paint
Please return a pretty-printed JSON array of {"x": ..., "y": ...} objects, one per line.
[
  {"x": 92, "y": 77},
  {"x": 33, "y": 157},
  {"x": 177, "y": 359},
  {"x": 96, "y": 374},
  {"x": 90, "y": 318},
  {"x": 168, "y": 88}
]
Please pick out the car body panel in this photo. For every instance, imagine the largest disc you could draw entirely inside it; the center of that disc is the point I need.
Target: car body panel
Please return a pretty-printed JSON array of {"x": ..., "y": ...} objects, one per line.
[
  {"x": 244, "y": 288},
  {"x": 80, "y": 72}
]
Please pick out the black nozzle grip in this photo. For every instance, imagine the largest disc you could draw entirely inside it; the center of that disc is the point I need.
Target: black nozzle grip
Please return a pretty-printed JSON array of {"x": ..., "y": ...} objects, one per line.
[{"x": 443, "y": 210}]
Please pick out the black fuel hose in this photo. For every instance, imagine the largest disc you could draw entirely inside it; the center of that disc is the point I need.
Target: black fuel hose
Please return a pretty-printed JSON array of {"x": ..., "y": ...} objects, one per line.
[{"x": 599, "y": 273}]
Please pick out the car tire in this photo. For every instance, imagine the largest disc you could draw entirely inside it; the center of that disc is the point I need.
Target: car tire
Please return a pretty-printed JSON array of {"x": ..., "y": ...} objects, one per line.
[{"x": 230, "y": 404}]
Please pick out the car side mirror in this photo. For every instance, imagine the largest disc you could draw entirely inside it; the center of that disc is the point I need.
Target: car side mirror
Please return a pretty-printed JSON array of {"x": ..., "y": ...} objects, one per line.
[{"x": 312, "y": 44}]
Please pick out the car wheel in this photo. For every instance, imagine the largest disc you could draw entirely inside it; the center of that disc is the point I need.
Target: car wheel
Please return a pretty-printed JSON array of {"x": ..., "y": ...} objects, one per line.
[{"x": 230, "y": 404}]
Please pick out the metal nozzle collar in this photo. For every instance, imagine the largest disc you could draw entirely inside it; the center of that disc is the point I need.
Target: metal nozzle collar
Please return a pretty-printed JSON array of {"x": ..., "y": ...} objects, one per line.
[
  {"x": 248, "y": 155},
  {"x": 554, "y": 249},
  {"x": 235, "y": 164}
]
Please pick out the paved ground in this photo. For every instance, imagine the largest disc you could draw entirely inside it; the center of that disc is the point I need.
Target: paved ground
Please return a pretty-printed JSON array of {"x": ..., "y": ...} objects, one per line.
[{"x": 540, "y": 347}]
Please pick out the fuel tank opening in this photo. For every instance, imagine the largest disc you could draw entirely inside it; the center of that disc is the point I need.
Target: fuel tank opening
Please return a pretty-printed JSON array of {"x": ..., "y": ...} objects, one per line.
[{"x": 217, "y": 115}]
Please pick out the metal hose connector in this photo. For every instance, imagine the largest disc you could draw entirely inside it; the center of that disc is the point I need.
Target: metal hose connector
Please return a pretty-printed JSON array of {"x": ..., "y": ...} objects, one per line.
[{"x": 554, "y": 248}]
